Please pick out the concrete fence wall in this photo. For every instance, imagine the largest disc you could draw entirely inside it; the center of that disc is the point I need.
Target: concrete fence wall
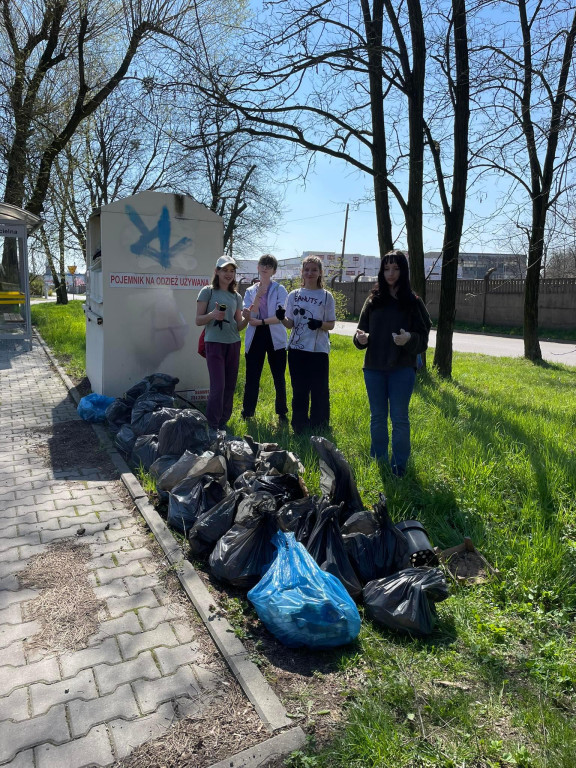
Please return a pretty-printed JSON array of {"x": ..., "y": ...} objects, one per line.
[{"x": 502, "y": 304}]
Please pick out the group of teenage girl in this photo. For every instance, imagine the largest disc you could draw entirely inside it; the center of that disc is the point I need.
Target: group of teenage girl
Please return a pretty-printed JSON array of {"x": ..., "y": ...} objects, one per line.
[{"x": 392, "y": 331}]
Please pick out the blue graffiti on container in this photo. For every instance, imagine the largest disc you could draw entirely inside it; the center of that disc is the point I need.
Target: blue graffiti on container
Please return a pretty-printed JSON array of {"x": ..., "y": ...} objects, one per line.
[{"x": 162, "y": 231}]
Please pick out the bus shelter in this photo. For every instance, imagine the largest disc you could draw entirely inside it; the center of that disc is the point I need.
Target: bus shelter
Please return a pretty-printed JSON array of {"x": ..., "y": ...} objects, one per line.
[{"x": 16, "y": 225}]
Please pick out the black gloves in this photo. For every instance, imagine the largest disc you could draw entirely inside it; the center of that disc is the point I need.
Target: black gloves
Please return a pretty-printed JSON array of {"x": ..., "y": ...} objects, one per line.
[
  {"x": 314, "y": 324},
  {"x": 280, "y": 312}
]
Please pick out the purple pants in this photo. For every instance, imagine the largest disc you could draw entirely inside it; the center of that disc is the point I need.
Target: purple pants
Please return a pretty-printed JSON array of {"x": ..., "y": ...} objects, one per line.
[{"x": 223, "y": 361}]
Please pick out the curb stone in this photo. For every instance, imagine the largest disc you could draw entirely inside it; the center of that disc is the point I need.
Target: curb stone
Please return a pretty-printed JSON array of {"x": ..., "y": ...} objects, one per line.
[
  {"x": 261, "y": 754},
  {"x": 268, "y": 706}
]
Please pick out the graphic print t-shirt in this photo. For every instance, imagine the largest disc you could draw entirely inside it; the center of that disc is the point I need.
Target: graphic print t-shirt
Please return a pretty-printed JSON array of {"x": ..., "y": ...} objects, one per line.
[{"x": 302, "y": 305}]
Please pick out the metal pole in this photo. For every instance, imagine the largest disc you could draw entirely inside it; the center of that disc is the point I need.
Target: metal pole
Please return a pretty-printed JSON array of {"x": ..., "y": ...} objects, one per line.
[
  {"x": 486, "y": 279},
  {"x": 355, "y": 291},
  {"x": 344, "y": 241}
]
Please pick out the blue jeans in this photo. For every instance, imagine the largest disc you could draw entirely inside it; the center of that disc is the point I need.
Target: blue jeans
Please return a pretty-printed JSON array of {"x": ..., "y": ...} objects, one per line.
[{"x": 393, "y": 387}]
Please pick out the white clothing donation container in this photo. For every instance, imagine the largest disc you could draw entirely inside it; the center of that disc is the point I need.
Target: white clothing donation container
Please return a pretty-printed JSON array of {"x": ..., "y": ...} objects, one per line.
[{"x": 148, "y": 256}]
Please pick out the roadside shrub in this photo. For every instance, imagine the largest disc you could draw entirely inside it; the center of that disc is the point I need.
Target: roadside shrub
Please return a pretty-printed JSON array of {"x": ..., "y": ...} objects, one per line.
[
  {"x": 341, "y": 303},
  {"x": 36, "y": 286}
]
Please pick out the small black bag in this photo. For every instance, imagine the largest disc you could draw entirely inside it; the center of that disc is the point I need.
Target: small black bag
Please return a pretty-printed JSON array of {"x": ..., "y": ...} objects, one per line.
[{"x": 406, "y": 601}]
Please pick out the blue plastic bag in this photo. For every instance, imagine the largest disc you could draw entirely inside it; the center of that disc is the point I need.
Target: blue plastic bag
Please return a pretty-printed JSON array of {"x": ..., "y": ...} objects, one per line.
[
  {"x": 301, "y": 604},
  {"x": 93, "y": 407}
]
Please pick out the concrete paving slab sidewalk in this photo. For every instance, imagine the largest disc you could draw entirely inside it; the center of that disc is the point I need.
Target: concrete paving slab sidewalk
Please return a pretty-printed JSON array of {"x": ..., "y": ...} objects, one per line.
[{"x": 95, "y": 704}]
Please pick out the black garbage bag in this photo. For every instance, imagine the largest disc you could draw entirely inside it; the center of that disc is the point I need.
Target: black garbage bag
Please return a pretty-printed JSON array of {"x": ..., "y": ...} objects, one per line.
[
  {"x": 406, "y": 601},
  {"x": 257, "y": 448},
  {"x": 243, "y": 554},
  {"x": 299, "y": 517},
  {"x": 189, "y": 499},
  {"x": 284, "y": 462},
  {"x": 144, "y": 409},
  {"x": 378, "y": 554},
  {"x": 284, "y": 488},
  {"x": 125, "y": 440},
  {"x": 213, "y": 524},
  {"x": 240, "y": 457},
  {"x": 118, "y": 413},
  {"x": 336, "y": 479},
  {"x": 191, "y": 465},
  {"x": 162, "y": 464},
  {"x": 360, "y": 522},
  {"x": 158, "y": 418},
  {"x": 160, "y": 383},
  {"x": 145, "y": 451},
  {"x": 246, "y": 480},
  {"x": 188, "y": 431},
  {"x": 326, "y": 546}
]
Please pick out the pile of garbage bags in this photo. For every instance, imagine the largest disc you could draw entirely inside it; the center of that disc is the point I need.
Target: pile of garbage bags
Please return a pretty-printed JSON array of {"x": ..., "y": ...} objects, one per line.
[{"x": 242, "y": 505}]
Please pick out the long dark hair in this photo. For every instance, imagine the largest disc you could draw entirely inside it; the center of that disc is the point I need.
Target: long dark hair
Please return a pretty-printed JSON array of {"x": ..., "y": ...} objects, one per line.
[
  {"x": 216, "y": 282},
  {"x": 381, "y": 292}
]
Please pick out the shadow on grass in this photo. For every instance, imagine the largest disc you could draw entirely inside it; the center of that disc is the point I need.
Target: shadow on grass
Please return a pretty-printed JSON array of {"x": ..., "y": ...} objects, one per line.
[{"x": 480, "y": 417}]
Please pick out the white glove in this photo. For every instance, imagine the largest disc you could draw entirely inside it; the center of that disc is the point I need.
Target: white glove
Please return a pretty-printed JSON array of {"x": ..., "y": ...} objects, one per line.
[{"x": 401, "y": 338}]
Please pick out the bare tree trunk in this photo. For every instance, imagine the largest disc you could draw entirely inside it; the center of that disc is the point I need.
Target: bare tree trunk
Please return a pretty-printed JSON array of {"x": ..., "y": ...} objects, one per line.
[
  {"x": 454, "y": 215},
  {"x": 413, "y": 211},
  {"x": 541, "y": 178},
  {"x": 532, "y": 349},
  {"x": 373, "y": 25}
]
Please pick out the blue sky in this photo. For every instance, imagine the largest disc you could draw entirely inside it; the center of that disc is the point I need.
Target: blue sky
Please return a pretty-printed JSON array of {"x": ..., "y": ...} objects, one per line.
[{"x": 315, "y": 213}]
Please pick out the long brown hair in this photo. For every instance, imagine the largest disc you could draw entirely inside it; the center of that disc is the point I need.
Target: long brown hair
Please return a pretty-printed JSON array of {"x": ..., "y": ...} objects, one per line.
[{"x": 315, "y": 260}]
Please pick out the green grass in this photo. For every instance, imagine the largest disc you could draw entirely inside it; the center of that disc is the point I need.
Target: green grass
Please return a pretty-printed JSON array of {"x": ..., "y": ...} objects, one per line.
[
  {"x": 494, "y": 458},
  {"x": 63, "y": 328}
]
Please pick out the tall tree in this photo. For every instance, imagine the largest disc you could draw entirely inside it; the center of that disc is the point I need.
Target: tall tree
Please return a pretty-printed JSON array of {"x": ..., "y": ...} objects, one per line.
[
  {"x": 350, "y": 81},
  {"x": 313, "y": 74},
  {"x": 234, "y": 174},
  {"x": 70, "y": 56},
  {"x": 532, "y": 83},
  {"x": 455, "y": 65}
]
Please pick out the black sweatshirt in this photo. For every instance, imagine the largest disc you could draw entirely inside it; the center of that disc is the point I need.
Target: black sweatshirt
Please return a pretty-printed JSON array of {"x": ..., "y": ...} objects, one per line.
[{"x": 380, "y": 320}]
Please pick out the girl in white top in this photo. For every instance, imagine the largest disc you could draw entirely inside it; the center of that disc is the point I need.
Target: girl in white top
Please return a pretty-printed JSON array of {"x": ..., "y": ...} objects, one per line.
[
  {"x": 265, "y": 337},
  {"x": 310, "y": 314}
]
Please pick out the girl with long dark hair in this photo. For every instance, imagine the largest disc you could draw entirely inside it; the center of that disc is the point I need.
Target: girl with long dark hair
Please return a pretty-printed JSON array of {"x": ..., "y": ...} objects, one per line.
[{"x": 393, "y": 329}]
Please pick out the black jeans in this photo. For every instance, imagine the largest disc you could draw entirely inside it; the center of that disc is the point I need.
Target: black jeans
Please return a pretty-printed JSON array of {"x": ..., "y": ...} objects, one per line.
[
  {"x": 309, "y": 373},
  {"x": 261, "y": 346}
]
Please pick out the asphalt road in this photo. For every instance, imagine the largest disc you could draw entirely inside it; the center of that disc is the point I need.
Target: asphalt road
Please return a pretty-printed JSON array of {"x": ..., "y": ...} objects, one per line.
[{"x": 497, "y": 346}]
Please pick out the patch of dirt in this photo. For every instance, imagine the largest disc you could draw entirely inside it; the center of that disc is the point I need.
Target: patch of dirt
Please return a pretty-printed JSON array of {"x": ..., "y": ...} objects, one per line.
[
  {"x": 67, "y": 608},
  {"x": 468, "y": 567},
  {"x": 226, "y": 726},
  {"x": 71, "y": 444},
  {"x": 83, "y": 386}
]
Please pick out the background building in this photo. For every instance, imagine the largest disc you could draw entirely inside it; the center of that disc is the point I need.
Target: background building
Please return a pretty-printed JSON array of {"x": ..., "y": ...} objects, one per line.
[
  {"x": 474, "y": 266},
  {"x": 351, "y": 265},
  {"x": 471, "y": 266}
]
